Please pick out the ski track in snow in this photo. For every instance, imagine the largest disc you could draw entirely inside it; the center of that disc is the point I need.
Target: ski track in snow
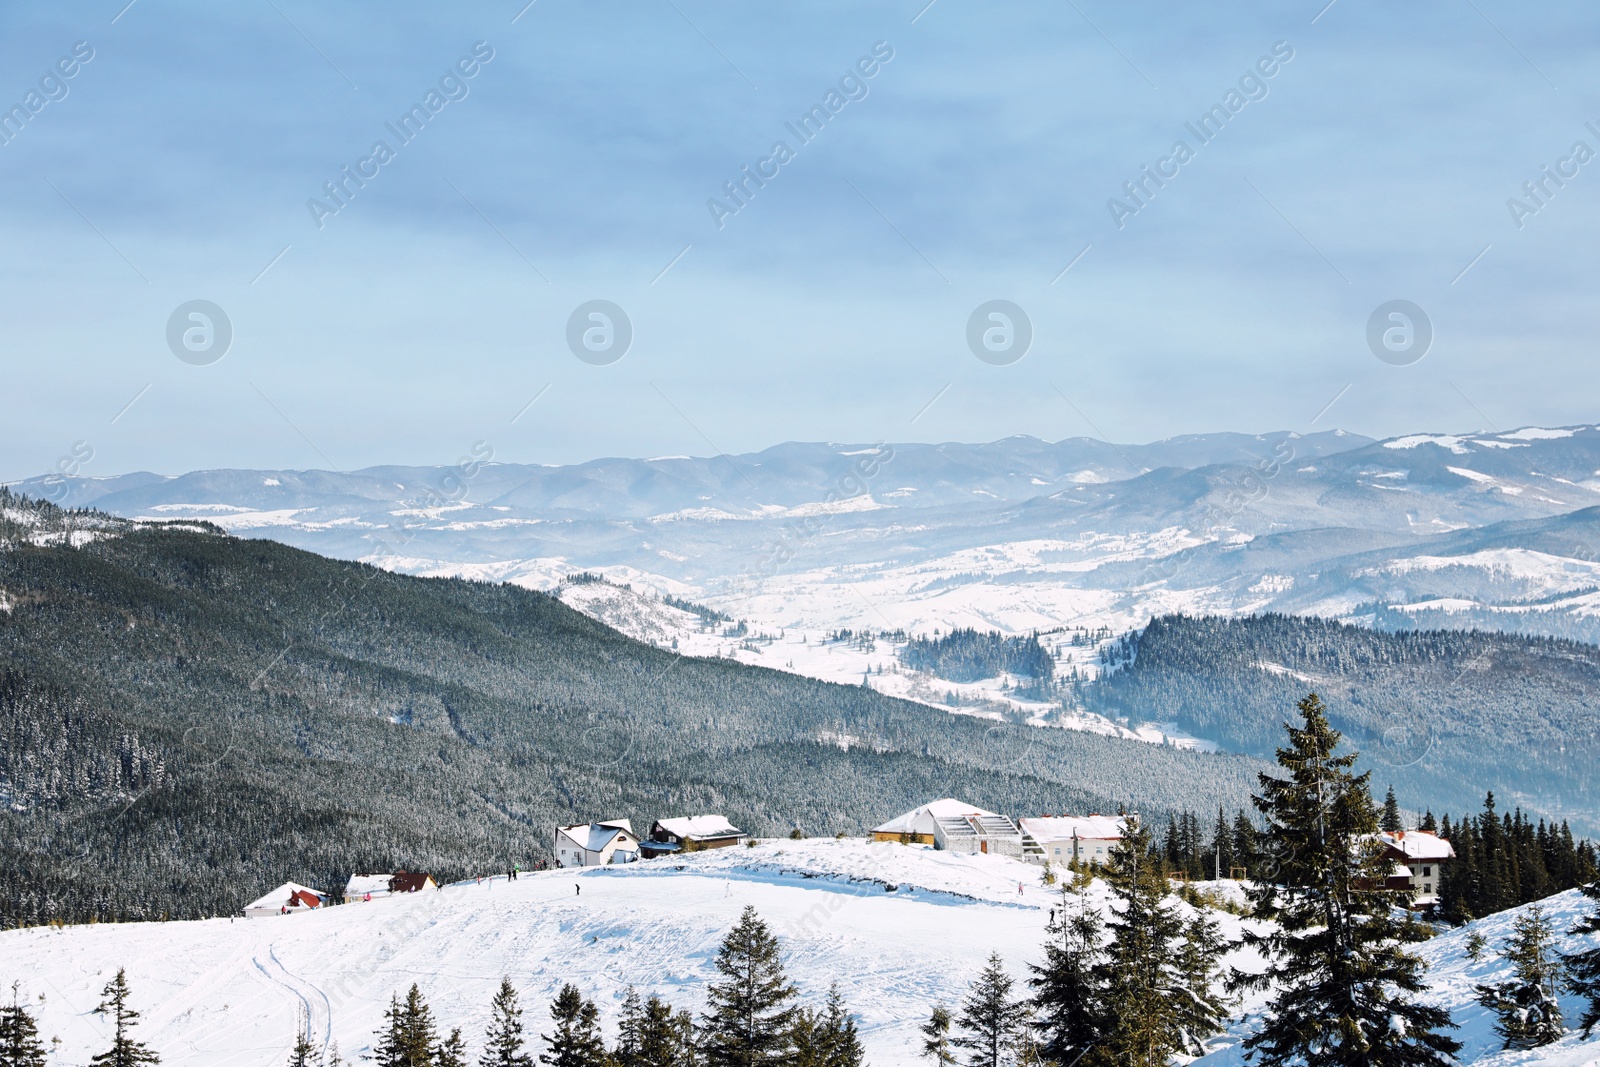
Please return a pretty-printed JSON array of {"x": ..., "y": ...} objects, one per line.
[{"x": 900, "y": 928}]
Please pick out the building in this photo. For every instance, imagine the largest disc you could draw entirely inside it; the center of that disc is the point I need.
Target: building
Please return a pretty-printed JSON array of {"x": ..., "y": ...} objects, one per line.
[
  {"x": 1419, "y": 858},
  {"x": 373, "y": 886},
  {"x": 1065, "y": 838},
  {"x": 916, "y": 827},
  {"x": 690, "y": 834},
  {"x": 969, "y": 834},
  {"x": 290, "y": 898},
  {"x": 595, "y": 844}
]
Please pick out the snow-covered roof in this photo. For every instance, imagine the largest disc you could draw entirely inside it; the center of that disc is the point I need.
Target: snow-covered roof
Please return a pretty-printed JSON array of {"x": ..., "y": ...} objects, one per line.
[
  {"x": 978, "y": 826},
  {"x": 362, "y": 884},
  {"x": 699, "y": 826},
  {"x": 280, "y": 896},
  {"x": 921, "y": 820},
  {"x": 1067, "y": 827},
  {"x": 595, "y": 836},
  {"x": 1419, "y": 845}
]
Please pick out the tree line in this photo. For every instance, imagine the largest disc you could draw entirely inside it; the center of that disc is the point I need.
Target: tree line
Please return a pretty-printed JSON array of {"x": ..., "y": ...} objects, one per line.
[{"x": 1146, "y": 981}]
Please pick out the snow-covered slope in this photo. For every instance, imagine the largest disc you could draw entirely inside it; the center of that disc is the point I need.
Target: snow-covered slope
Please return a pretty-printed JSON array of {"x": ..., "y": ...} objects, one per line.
[{"x": 900, "y": 928}]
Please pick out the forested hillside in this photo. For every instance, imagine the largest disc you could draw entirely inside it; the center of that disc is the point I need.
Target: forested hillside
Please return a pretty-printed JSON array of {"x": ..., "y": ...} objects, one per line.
[
  {"x": 1441, "y": 715},
  {"x": 187, "y": 719}
]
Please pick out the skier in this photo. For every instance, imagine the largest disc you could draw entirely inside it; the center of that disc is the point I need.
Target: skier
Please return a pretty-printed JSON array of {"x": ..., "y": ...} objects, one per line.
[{"x": 577, "y": 889}]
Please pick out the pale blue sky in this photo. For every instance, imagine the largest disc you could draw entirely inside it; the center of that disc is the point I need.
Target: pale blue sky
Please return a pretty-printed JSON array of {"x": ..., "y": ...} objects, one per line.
[{"x": 426, "y": 313}]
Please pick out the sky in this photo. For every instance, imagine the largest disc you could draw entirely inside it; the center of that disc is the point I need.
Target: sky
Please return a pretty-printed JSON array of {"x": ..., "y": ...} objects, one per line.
[{"x": 969, "y": 153}]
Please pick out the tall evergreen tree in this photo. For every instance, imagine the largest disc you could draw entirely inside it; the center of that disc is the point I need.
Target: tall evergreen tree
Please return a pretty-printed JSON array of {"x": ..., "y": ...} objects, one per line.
[
  {"x": 936, "y": 1044},
  {"x": 1150, "y": 1008},
  {"x": 1390, "y": 822},
  {"x": 1583, "y": 968},
  {"x": 576, "y": 1041},
  {"x": 453, "y": 1052},
  {"x": 504, "y": 1043},
  {"x": 1068, "y": 997},
  {"x": 1529, "y": 1013},
  {"x": 665, "y": 1039},
  {"x": 303, "y": 1054},
  {"x": 630, "y": 1029},
  {"x": 124, "y": 1050},
  {"x": 990, "y": 1018},
  {"x": 409, "y": 1038},
  {"x": 1346, "y": 988},
  {"x": 837, "y": 1028},
  {"x": 749, "y": 1016},
  {"x": 19, "y": 1035},
  {"x": 1200, "y": 1008}
]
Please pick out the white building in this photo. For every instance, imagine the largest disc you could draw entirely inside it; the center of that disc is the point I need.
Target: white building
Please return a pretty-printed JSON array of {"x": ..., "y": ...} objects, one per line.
[
  {"x": 290, "y": 898},
  {"x": 376, "y": 886},
  {"x": 916, "y": 827},
  {"x": 595, "y": 844},
  {"x": 1064, "y": 838},
  {"x": 988, "y": 834},
  {"x": 1419, "y": 858}
]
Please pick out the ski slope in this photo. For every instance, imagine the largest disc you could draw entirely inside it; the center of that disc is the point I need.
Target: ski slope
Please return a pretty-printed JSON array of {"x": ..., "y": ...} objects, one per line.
[{"x": 898, "y": 927}]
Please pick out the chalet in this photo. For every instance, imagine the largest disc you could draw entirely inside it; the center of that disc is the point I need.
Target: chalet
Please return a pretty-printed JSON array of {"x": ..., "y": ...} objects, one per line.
[
  {"x": 290, "y": 898},
  {"x": 1419, "y": 858},
  {"x": 596, "y": 844},
  {"x": 373, "y": 886},
  {"x": 1065, "y": 838},
  {"x": 969, "y": 834},
  {"x": 916, "y": 827},
  {"x": 691, "y": 833}
]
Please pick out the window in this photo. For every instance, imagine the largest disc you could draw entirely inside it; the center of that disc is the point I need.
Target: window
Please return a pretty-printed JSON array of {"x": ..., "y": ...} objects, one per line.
[
  {"x": 1427, "y": 887},
  {"x": 1427, "y": 872},
  {"x": 1058, "y": 852}
]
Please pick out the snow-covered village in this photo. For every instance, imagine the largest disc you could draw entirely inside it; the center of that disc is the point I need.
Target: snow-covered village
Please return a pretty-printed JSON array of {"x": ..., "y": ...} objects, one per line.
[{"x": 888, "y": 533}]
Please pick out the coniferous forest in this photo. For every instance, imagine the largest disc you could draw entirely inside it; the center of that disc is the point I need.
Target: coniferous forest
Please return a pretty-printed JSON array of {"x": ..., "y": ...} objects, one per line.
[{"x": 188, "y": 719}]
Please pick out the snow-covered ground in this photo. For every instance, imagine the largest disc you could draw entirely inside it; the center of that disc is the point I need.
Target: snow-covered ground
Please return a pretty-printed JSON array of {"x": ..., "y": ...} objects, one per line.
[{"x": 900, "y": 928}]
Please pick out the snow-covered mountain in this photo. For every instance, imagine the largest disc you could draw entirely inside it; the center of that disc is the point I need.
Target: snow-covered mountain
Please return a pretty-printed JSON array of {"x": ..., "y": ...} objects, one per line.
[
  {"x": 1080, "y": 536},
  {"x": 900, "y": 928}
]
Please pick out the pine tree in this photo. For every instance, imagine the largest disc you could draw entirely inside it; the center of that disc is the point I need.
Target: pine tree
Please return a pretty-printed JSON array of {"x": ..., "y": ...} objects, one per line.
[
  {"x": 836, "y": 1028},
  {"x": 577, "y": 1041},
  {"x": 1068, "y": 995},
  {"x": 936, "y": 1037},
  {"x": 1199, "y": 1008},
  {"x": 124, "y": 1050},
  {"x": 748, "y": 1020},
  {"x": 1147, "y": 1009},
  {"x": 665, "y": 1039},
  {"x": 630, "y": 1030},
  {"x": 453, "y": 1053},
  {"x": 304, "y": 1052},
  {"x": 1529, "y": 1014},
  {"x": 1346, "y": 989},
  {"x": 990, "y": 1019},
  {"x": 504, "y": 1042},
  {"x": 19, "y": 1035},
  {"x": 1583, "y": 968},
  {"x": 1391, "y": 814}
]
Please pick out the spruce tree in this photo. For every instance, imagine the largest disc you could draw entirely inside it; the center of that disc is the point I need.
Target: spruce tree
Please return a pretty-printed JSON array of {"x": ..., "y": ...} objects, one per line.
[
  {"x": 748, "y": 1017},
  {"x": 936, "y": 1037},
  {"x": 124, "y": 1050},
  {"x": 1200, "y": 1008},
  {"x": 302, "y": 1055},
  {"x": 1068, "y": 997},
  {"x": 1529, "y": 1014},
  {"x": 576, "y": 1041},
  {"x": 453, "y": 1053},
  {"x": 1583, "y": 968},
  {"x": 1150, "y": 1008},
  {"x": 1391, "y": 814},
  {"x": 1344, "y": 988},
  {"x": 990, "y": 1019},
  {"x": 630, "y": 1030},
  {"x": 836, "y": 1032},
  {"x": 504, "y": 1042},
  {"x": 664, "y": 1040},
  {"x": 19, "y": 1035}
]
